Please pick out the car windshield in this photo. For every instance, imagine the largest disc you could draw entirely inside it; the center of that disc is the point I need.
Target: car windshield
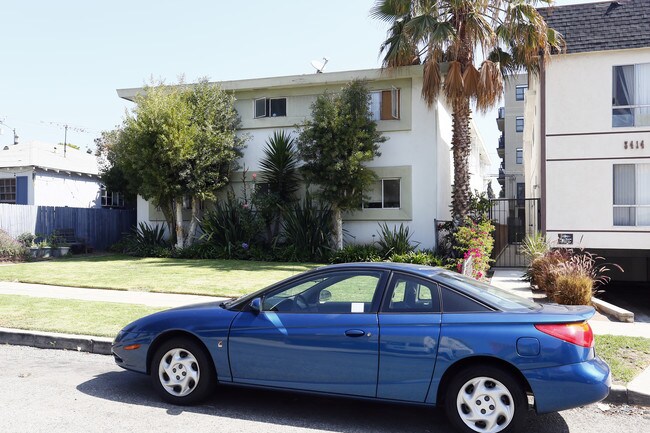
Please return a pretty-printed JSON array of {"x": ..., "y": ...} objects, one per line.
[{"x": 502, "y": 299}]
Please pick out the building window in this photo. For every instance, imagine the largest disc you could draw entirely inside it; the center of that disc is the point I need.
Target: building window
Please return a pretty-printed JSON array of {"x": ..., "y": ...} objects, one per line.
[
  {"x": 631, "y": 95},
  {"x": 632, "y": 194},
  {"x": 519, "y": 124},
  {"x": 519, "y": 156},
  {"x": 520, "y": 91},
  {"x": 521, "y": 193},
  {"x": 8, "y": 190},
  {"x": 270, "y": 107},
  {"x": 384, "y": 104},
  {"x": 111, "y": 199},
  {"x": 385, "y": 194}
]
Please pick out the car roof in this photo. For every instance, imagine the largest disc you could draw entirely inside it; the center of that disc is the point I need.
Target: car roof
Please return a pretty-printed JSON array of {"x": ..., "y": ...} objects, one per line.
[{"x": 423, "y": 270}]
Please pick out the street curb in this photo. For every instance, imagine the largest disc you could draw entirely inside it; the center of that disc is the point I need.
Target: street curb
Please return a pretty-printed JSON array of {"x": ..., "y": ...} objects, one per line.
[{"x": 43, "y": 340}]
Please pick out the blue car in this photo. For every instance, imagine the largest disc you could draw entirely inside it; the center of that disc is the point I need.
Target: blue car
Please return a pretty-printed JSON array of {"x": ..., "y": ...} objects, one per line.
[{"x": 384, "y": 331}]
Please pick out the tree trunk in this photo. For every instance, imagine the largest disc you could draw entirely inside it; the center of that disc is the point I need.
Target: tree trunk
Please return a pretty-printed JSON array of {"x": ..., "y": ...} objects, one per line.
[
  {"x": 178, "y": 208},
  {"x": 461, "y": 149},
  {"x": 338, "y": 228},
  {"x": 168, "y": 211},
  {"x": 191, "y": 231}
]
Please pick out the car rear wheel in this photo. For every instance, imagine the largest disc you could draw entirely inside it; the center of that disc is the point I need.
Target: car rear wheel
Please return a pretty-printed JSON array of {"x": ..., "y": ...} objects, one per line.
[
  {"x": 181, "y": 372},
  {"x": 486, "y": 399}
]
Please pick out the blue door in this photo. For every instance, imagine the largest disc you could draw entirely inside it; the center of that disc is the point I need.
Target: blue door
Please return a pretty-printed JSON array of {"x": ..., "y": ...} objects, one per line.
[
  {"x": 318, "y": 334},
  {"x": 410, "y": 330}
]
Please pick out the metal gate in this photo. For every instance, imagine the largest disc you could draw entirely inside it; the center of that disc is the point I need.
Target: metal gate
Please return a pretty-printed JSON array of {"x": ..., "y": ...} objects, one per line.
[{"x": 514, "y": 219}]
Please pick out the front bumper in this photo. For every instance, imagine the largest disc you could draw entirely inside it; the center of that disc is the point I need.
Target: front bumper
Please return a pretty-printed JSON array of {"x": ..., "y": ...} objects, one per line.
[{"x": 569, "y": 386}]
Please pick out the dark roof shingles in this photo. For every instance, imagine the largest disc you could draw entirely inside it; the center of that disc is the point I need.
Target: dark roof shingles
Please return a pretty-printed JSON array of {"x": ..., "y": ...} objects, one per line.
[{"x": 588, "y": 27}]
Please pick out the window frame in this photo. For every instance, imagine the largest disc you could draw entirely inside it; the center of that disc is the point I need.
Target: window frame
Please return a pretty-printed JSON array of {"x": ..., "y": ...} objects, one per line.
[
  {"x": 267, "y": 107},
  {"x": 382, "y": 194},
  {"x": 632, "y": 108},
  {"x": 7, "y": 190},
  {"x": 326, "y": 276},
  {"x": 633, "y": 206},
  {"x": 520, "y": 92},
  {"x": 392, "y": 285},
  {"x": 519, "y": 127},
  {"x": 519, "y": 155},
  {"x": 386, "y": 113}
]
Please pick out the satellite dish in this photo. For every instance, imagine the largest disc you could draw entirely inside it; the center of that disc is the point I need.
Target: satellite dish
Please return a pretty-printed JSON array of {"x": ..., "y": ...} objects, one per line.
[{"x": 318, "y": 65}]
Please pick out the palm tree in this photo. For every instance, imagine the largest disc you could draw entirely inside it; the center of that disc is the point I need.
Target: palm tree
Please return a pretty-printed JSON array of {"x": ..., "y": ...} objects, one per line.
[{"x": 453, "y": 36}]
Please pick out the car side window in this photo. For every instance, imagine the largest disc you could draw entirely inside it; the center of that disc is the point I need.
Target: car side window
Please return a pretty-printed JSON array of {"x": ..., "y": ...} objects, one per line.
[
  {"x": 407, "y": 294},
  {"x": 338, "y": 292},
  {"x": 453, "y": 302}
]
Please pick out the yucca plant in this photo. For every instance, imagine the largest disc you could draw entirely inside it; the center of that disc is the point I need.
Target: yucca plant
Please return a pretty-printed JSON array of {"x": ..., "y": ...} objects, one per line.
[
  {"x": 395, "y": 240},
  {"x": 307, "y": 229},
  {"x": 279, "y": 166}
]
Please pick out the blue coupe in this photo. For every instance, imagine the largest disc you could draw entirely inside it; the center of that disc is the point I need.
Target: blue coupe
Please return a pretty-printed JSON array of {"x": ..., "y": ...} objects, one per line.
[{"x": 385, "y": 331}]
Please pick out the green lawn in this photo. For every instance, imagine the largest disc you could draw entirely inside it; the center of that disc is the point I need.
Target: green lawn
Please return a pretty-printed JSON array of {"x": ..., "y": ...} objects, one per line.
[
  {"x": 202, "y": 277},
  {"x": 102, "y": 319},
  {"x": 626, "y": 356}
]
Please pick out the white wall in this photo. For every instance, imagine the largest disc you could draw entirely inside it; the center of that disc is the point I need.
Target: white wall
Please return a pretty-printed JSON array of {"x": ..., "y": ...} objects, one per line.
[
  {"x": 582, "y": 147},
  {"x": 57, "y": 189}
]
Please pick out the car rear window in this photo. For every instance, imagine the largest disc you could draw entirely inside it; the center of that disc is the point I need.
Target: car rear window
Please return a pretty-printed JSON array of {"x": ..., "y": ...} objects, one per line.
[{"x": 498, "y": 298}]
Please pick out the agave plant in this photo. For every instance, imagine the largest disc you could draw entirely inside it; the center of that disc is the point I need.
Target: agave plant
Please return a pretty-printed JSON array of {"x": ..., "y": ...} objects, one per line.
[{"x": 395, "y": 240}]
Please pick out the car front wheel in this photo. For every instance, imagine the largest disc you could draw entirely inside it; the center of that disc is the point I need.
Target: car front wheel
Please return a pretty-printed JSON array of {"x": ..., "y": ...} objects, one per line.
[
  {"x": 181, "y": 372},
  {"x": 486, "y": 399}
]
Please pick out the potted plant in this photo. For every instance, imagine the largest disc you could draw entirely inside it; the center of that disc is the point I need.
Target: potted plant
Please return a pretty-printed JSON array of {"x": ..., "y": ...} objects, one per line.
[
  {"x": 58, "y": 249},
  {"x": 44, "y": 248},
  {"x": 27, "y": 239}
]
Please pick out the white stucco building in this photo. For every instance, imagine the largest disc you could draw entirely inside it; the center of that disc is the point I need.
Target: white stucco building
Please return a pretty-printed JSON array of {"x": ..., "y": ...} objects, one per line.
[
  {"x": 587, "y": 134},
  {"x": 414, "y": 168},
  {"x": 45, "y": 174}
]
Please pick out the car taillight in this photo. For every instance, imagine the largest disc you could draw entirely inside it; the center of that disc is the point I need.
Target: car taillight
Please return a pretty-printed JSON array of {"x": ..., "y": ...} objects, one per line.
[{"x": 575, "y": 333}]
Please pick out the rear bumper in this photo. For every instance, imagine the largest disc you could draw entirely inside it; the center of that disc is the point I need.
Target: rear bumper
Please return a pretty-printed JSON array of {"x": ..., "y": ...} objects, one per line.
[{"x": 568, "y": 386}]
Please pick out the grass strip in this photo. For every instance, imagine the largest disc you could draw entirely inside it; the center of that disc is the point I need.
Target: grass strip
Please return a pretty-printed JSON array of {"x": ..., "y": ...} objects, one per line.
[
  {"x": 626, "y": 356},
  {"x": 103, "y": 319},
  {"x": 200, "y": 277}
]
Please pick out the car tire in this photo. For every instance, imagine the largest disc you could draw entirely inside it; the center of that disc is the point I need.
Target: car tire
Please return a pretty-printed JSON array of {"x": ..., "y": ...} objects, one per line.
[
  {"x": 486, "y": 399},
  {"x": 182, "y": 373}
]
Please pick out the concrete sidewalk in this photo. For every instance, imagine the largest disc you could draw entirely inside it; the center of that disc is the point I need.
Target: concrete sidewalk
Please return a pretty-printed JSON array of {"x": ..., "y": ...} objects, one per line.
[{"x": 169, "y": 300}]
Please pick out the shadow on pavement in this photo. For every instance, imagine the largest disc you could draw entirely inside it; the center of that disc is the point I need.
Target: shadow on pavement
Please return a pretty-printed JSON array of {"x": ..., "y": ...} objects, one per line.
[
  {"x": 630, "y": 296},
  {"x": 294, "y": 410}
]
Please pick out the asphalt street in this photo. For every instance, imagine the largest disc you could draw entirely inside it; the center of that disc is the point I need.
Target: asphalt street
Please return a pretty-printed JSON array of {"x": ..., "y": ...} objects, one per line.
[{"x": 64, "y": 391}]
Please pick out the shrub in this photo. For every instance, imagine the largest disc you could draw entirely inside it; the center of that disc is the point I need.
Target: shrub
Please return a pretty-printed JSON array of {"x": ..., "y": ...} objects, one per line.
[
  {"x": 145, "y": 241},
  {"x": 26, "y": 239},
  {"x": 307, "y": 231},
  {"x": 474, "y": 239},
  {"x": 356, "y": 253},
  {"x": 395, "y": 240},
  {"x": 424, "y": 257},
  {"x": 230, "y": 227},
  {"x": 572, "y": 289},
  {"x": 535, "y": 245},
  {"x": 11, "y": 249}
]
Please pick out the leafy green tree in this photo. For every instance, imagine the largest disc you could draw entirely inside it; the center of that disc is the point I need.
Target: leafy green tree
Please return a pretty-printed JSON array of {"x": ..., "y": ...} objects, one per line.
[
  {"x": 448, "y": 34},
  {"x": 335, "y": 144},
  {"x": 178, "y": 142}
]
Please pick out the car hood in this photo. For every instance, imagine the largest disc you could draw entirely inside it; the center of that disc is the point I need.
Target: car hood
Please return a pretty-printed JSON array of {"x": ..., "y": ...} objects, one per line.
[{"x": 193, "y": 318}]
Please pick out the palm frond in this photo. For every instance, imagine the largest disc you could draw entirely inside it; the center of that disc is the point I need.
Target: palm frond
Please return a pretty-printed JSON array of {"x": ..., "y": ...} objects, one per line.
[
  {"x": 471, "y": 78},
  {"x": 453, "y": 86},
  {"x": 431, "y": 80},
  {"x": 490, "y": 87}
]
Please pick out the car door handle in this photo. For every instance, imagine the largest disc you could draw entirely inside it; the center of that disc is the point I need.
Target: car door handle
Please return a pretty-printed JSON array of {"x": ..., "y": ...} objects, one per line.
[{"x": 355, "y": 333}]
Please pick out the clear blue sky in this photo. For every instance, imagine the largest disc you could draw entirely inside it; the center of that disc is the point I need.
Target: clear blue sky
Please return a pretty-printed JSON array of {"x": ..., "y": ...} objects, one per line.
[{"x": 62, "y": 61}]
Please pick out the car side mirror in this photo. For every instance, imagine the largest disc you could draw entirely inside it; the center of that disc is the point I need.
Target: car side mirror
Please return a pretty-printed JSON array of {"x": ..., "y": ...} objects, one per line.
[
  {"x": 256, "y": 305},
  {"x": 324, "y": 296}
]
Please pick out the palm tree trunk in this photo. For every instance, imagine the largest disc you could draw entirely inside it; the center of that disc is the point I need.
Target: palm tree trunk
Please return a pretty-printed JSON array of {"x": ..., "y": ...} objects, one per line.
[{"x": 461, "y": 148}]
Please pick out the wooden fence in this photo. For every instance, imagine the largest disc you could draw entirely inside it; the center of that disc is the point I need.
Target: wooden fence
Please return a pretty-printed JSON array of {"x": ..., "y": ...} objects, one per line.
[{"x": 99, "y": 228}]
